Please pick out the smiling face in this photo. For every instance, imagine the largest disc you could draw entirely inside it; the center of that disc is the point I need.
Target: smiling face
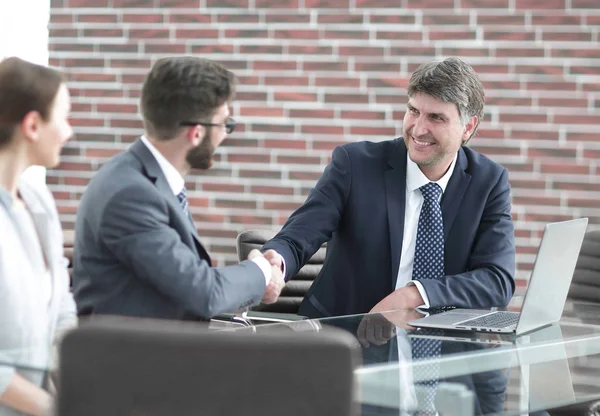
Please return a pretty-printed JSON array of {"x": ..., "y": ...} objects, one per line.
[
  {"x": 56, "y": 131},
  {"x": 433, "y": 133}
]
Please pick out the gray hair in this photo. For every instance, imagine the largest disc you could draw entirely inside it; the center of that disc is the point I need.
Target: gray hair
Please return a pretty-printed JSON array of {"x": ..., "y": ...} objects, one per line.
[{"x": 453, "y": 81}]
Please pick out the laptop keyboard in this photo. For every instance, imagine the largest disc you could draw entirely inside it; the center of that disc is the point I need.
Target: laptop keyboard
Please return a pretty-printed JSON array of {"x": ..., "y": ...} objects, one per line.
[{"x": 494, "y": 320}]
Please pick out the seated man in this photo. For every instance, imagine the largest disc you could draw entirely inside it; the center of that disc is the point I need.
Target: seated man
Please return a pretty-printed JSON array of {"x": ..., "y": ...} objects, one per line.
[
  {"x": 137, "y": 251},
  {"x": 418, "y": 221}
]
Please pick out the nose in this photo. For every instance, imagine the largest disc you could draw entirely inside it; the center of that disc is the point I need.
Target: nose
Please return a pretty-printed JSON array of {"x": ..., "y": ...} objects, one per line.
[{"x": 420, "y": 127}]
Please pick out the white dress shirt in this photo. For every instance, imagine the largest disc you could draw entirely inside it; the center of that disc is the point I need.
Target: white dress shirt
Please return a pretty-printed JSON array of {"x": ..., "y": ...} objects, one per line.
[
  {"x": 176, "y": 183},
  {"x": 414, "y": 201}
]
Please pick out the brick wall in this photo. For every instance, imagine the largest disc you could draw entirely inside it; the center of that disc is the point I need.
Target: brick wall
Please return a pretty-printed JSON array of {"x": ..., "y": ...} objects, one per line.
[{"x": 318, "y": 73}]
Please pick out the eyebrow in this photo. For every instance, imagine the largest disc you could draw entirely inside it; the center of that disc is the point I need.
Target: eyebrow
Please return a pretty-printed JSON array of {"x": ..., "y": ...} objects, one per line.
[{"x": 440, "y": 115}]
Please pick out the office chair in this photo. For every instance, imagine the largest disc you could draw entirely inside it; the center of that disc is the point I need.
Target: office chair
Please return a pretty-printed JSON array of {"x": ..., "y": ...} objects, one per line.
[
  {"x": 295, "y": 289},
  {"x": 140, "y": 367},
  {"x": 586, "y": 279}
]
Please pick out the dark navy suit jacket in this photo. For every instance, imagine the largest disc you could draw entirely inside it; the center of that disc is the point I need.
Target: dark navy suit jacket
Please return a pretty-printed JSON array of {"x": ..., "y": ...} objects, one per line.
[{"x": 357, "y": 207}]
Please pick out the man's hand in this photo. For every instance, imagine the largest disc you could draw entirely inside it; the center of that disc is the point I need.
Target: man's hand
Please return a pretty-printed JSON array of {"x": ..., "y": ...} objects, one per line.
[
  {"x": 275, "y": 286},
  {"x": 407, "y": 297},
  {"x": 374, "y": 329},
  {"x": 274, "y": 258}
]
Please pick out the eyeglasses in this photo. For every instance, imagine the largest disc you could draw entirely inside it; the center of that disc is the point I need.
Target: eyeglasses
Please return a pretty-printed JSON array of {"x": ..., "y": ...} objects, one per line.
[{"x": 229, "y": 124}]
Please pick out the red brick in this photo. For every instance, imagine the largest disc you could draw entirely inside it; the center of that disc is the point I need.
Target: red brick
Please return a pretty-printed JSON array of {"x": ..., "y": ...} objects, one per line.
[
  {"x": 345, "y": 34},
  {"x": 280, "y": 206},
  {"x": 338, "y": 82},
  {"x": 592, "y": 20},
  {"x": 227, "y": 3},
  {"x": 546, "y": 4},
  {"x": 551, "y": 86},
  {"x": 261, "y": 111},
  {"x": 327, "y": 145},
  {"x": 501, "y": 85},
  {"x": 429, "y": 4},
  {"x": 212, "y": 49},
  {"x": 523, "y": 118},
  {"x": 386, "y": 82},
  {"x": 520, "y": 52},
  {"x": 361, "y": 51},
  {"x": 208, "y": 218},
  {"x": 97, "y": 92},
  {"x": 347, "y": 98},
  {"x": 567, "y": 36},
  {"x": 554, "y": 19},
  {"x": 272, "y": 190},
  {"x": 374, "y": 131},
  {"x": 325, "y": 4},
  {"x": 452, "y": 35},
  {"x": 563, "y": 102},
  {"x": 484, "y": 4},
  {"x": 497, "y": 150},
  {"x": 334, "y": 130},
  {"x": 505, "y": 35},
  {"x": 466, "y": 52},
  {"x": 490, "y": 69},
  {"x": 250, "y": 220},
  {"x": 537, "y": 200},
  {"x": 552, "y": 153},
  {"x": 310, "y": 50},
  {"x": 397, "y": 19},
  {"x": 288, "y": 4},
  {"x": 303, "y": 160},
  {"x": 306, "y": 176},
  {"x": 397, "y": 115},
  {"x": 294, "y": 96},
  {"x": 76, "y": 181},
  {"x": 86, "y": 137},
  {"x": 582, "y": 203},
  {"x": 136, "y": 79},
  {"x": 126, "y": 124},
  {"x": 81, "y": 108},
  {"x": 490, "y": 133},
  {"x": 285, "y": 144},
  {"x": 399, "y": 35},
  {"x": 576, "y": 186},
  {"x": 143, "y": 18},
  {"x": 124, "y": 48},
  {"x": 72, "y": 166},
  {"x": 101, "y": 153},
  {"x": 585, "y": 70},
  {"x": 274, "y": 66},
  {"x": 445, "y": 19},
  {"x": 501, "y": 20},
  {"x": 96, "y": 18},
  {"x": 87, "y": 3},
  {"x": 377, "y": 67},
  {"x": 292, "y": 34},
  {"x": 236, "y": 204},
  {"x": 222, "y": 187},
  {"x": 71, "y": 47},
  {"x": 540, "y": 69},
  {"x": 346, "y": 18},
  {"x": 104, "y": 33},
  {"x": 289, "y": 81},
  {"x": 60, "y": 18},
  {"x": 63, "y": 33},
  {"x": 187, "y": 4},
  {"x": 593, "y": 53},
  {"x": 583, "y": 137},
  {"x": 564, "y": 167},
  {"x": 363, "y": 115},
  {"x": 251, "y": 96},
  {"x": 588, "y": 86},
  {"x": 288, "y": 18},
  {"x": 576, "y": 119},
  {"x": 187, "y": 17},
  {"x": 192, "y": 34},
  {"x": 325, "y": 66},
  {"x": 527, "y": 184},
  {"x": 130, "y": 63},
  {"x": 84, "y": 63},
  {"x": 263, "y": 174},
  {"x": 509, "y": 101},
  {"x": 592, "y": 154},
  {"x": 312, "y": 113},
  {"x": 272, "y": 128},
  {"x": 117, "y": 108},
  {"x": 262, "y": 49},
  {"x": 165, "y": 48},
  {"x": 584, "y": 4}
]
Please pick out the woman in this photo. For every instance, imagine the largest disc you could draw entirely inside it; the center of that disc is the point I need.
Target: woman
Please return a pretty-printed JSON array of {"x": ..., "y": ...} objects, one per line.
[{"x": 35, "y": 303}]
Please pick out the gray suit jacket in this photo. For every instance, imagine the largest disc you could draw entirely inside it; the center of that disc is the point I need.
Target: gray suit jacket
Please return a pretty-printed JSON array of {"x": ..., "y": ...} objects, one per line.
[{"x": 137, "y": 253}]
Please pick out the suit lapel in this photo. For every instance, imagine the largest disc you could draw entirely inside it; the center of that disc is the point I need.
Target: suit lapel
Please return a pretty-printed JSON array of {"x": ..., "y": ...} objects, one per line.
[
  {"x": 154, "y": 172},
  {"x": 395, "y": 193},
  {"x": 455, "y": 191}
]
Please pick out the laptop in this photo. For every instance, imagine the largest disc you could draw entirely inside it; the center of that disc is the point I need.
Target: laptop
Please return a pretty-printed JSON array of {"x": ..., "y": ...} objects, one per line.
[{"x": 546, "y": 294}]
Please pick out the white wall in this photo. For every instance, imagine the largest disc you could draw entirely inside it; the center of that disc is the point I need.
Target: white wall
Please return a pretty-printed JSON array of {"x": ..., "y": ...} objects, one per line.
[{"x": 24, "y": 33}]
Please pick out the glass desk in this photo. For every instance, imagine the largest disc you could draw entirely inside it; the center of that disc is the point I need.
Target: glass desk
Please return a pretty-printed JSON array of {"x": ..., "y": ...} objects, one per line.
[{"x": 414, "y": 371}]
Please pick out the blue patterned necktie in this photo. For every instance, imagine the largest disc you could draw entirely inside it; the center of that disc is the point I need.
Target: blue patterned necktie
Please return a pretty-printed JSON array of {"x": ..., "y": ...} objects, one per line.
[
  {"x": 182, "y": 197},
  {"x": 428, "y": 264}
]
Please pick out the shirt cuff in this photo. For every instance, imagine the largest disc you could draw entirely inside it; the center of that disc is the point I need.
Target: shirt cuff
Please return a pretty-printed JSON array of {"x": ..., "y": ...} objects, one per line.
[
  {"x": 282, "y": 264},
  {"x": 422, "y": 292},
  {"x": 265, "y": 267}
]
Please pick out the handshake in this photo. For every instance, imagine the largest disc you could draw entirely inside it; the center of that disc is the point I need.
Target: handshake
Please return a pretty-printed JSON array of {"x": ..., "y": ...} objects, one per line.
[{"x": 274, "y": 287}]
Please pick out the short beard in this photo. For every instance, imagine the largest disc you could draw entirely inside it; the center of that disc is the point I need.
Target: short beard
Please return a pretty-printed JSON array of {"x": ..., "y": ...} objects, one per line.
[{"x": 201, "y": 156}]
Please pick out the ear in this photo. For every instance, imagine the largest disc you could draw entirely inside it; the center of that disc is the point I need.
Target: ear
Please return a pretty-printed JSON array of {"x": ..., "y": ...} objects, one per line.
[
  {"x": 470, "y": 128},
  {"x": 194, "y": 134},
  {"x": 31, "y": 125}
]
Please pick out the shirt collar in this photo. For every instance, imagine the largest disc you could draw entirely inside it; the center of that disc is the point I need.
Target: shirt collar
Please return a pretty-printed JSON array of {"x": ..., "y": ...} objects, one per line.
[
  {"x": 415, "y": 178},
  {"x": 174, "y": 178}
]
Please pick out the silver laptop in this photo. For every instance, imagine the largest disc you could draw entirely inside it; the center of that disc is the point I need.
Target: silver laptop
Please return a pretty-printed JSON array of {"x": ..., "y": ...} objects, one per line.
[{"x": 546, "y": 294}]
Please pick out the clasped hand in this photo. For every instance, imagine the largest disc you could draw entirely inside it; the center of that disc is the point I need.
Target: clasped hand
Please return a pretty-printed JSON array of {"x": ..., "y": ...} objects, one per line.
[{"x": 273, "y": 289}]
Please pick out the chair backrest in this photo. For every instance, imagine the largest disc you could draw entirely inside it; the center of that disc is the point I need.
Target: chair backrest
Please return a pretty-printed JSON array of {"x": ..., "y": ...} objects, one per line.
[
  {"x": 586, "y": 279},
  {"x": 294, "y": 291},
  {"x": 139, "y": 367}
]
